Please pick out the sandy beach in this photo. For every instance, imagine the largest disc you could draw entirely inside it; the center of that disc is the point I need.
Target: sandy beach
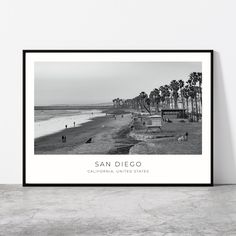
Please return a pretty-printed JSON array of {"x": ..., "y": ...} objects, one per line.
[{"x": 107, "y": 135}]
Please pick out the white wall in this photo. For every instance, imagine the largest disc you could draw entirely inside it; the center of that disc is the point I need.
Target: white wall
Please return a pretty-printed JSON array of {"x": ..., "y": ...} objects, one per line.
[{"x": 121, "y": 24}]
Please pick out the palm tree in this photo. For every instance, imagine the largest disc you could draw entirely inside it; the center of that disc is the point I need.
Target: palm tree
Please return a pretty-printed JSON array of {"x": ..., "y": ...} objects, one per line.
[
  {"x": 165, "y": 95},
  {"x": 145, "y": 102},
  {"x": 114, "y": 102},
  {"x": 155, "y": 98},
  {"x": 171, "y": 100},
  {"x": 142, "y": 97},
  {"x": 137, "y": 102},
  {"x": 181, "y": 86},
  {"x": 129, "y": 103},
  {"x": 192, "y": 94},
  {"x": 196, "y": 78},
  {"x": 167, "y": 92},
  {"x": 200, "y": 85},
  {"x": 148, "y": 104},
  {"x": 117, "y": 102},
  {"x": 174, "y": 86},
  {"x": 121, "y": 102},
  {"x": 185, "y": 92},
  {"x": 151, "y": 97}
]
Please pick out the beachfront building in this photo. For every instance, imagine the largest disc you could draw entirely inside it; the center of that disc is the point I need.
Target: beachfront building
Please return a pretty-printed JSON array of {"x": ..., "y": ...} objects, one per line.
[{"x": 173, "y": 113}]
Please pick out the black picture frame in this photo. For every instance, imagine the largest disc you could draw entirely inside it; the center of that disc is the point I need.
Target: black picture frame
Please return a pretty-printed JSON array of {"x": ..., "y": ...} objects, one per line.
[{"x": 25, "y": 184}]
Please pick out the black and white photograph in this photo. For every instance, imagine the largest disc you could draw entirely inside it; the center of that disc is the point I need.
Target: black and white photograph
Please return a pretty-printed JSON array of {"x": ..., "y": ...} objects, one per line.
[
  {"x": 118, "y": 107},
  {"x": 118, "y": 117}
]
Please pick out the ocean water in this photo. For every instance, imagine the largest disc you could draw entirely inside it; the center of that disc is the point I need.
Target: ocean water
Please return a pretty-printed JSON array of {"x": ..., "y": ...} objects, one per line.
[{"x": 51, "y": 121}]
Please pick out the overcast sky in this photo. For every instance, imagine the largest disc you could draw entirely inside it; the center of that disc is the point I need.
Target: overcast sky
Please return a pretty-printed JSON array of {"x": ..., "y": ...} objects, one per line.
[{"x": 101, "y": 82}]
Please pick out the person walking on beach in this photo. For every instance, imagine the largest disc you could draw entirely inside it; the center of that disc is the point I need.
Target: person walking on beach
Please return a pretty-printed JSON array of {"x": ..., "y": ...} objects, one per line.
[
  {"x": 63, "y": 138},
  {"x": 66, "y": 126},
  {"x": 74, "y": 123}
]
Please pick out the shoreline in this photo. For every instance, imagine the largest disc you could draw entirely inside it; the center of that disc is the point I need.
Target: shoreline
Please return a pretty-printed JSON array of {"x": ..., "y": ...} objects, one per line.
[
  {"x": 62, "y": 130},
  {"x": 103, "y": 131},
  {"x": 102, "y": 111},
  {"x": 57, "y": 122}
]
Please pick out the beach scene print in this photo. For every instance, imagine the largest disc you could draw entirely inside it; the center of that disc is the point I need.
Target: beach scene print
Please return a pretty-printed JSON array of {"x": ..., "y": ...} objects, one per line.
[{"x": 118, "y": 108}]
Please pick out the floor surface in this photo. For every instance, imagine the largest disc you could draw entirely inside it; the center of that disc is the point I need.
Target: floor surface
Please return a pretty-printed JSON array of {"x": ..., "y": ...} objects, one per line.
[{"x": 117, "y": 211}]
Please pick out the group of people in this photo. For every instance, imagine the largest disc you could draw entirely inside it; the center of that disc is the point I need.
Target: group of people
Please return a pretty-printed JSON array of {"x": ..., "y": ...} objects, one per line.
[
  {"x": 115, "y": 116},
  {"x": 67, "y": 126},
  {"x": 166, "y": 120},
  {"x": 183, "y": 137}
]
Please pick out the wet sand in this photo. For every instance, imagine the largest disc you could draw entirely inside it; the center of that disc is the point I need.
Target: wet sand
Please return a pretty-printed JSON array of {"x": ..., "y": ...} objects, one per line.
[{"x": 104, "y": 131}]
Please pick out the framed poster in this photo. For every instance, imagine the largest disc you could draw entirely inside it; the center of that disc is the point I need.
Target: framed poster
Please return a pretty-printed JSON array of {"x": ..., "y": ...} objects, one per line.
[{"x": 117, "y": 117}]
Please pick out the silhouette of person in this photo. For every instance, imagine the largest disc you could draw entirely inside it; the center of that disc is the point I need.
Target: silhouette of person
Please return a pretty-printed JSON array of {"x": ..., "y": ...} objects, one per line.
[{"x": 63, "y": 138}]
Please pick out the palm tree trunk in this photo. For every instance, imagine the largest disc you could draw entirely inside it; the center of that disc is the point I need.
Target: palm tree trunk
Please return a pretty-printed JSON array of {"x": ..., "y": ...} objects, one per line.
[
  {"x": 192, "y": 108},
  {"x": 196, "y": 107},
  {"x": 201, "y": 95},
  {"x": 200, "y": 107},
  {"x": 187, "y": 105},
  {"x": 157, "y": 107},
  {"x": 171, "y": 102},
  {"x": 176, "y": 102},
  {"x": 148, "y": 110},
  {"x": 182, "y": 97}
]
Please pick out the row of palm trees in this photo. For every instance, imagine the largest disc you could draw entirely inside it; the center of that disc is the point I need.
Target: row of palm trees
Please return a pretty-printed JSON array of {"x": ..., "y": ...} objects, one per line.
[{"x": 178, "y": 94}]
